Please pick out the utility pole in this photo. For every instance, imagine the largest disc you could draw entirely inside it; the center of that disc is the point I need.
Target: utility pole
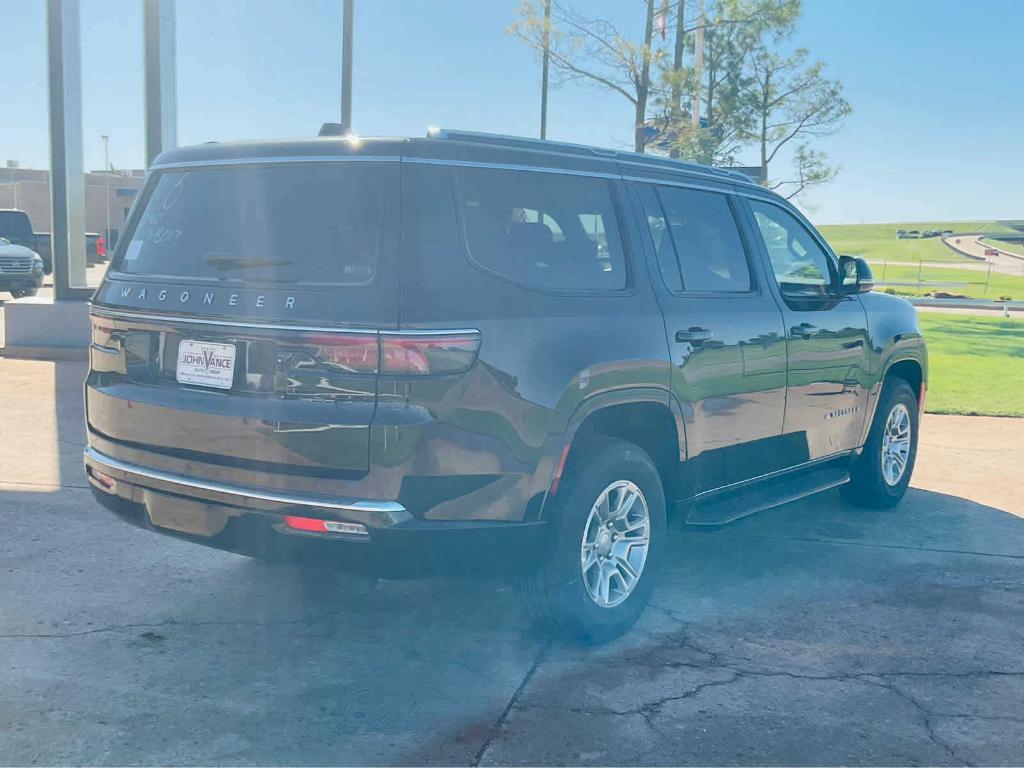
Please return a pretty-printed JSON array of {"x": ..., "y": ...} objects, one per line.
[
  {"x": 698, "y": 63},
  {"x": 346, "y": 66},
  {"x": 677, "y": 66},
  {"x": 106, "y": 182},
  {"x": 544, "y": 75}
]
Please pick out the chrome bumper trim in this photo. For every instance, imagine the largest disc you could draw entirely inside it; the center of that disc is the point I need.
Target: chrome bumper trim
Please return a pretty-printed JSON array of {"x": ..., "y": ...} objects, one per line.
[{"x": 371, "y": 513}]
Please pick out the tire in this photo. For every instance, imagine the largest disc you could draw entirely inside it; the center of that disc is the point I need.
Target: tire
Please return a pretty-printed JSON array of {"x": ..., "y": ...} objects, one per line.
[
  {"x": 554, "y": 591},
  {"x": 20, "y": 293},
  {"x": 870, "y": 483}
]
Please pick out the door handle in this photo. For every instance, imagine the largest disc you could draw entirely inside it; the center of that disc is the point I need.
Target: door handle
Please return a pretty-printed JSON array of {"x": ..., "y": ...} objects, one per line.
[
  {"x": 804, "y": 331},
  {"x": 694, "y": 335}
]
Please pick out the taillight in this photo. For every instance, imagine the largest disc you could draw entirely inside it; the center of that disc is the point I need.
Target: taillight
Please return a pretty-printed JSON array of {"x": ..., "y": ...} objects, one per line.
[
  {"x": 356, "y": 353},
  {"x": 405, "y": 353},
  {"x": 396, "y": 353},
  {"x": 101, "y": 246}
]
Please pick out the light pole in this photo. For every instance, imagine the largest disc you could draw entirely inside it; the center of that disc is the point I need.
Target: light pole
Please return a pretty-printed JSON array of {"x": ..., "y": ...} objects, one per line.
[
  {"x": 106, "y": 182},
  {"x": 544, "y": 75},
  {"x": 346, "y": 66}
]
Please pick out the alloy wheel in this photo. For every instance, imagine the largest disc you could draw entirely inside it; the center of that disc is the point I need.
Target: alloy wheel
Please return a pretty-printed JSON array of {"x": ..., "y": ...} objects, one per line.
[
  {"x": 896, "y": 444},
  {"x": 616, "y": 540}
]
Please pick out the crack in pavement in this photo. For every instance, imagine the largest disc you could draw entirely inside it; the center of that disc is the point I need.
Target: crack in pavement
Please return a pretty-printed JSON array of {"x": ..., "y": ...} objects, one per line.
[
  {"x": 649, "y": 710},
  {"x": 926, "y": 717},
  {"x": 741, "y": 668},
  {"x": 513, "y": 700},
  {"x": 168, "y": 623}
]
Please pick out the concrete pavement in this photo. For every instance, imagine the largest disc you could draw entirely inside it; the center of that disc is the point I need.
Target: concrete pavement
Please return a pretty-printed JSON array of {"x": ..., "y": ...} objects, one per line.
[
  {"x": 815, "y": 633},
  {"x": 972, "y": 245}
]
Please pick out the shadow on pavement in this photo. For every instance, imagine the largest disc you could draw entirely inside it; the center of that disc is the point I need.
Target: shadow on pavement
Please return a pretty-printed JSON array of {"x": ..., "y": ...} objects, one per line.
[
  {"x": 766, "y": 644},
  {"x": 814, "y": 633},
  {"x": 798, "y": 637}
]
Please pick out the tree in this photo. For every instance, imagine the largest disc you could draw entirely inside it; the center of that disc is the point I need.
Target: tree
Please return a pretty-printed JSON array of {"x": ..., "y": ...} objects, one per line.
[
  {"x": 793, "y": 102},
  {"x": 810, "y": 167},
  {"x": 748, "y": 94},
  {"x": 594, "y": 51},
  {"x": 732, "y": 28}
]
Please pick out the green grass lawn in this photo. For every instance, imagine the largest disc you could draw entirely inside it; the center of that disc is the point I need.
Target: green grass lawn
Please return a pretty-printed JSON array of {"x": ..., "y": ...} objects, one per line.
[
  {"x": 976, "y": 364},
  {"x": 967, "y": 282},
  {"x": 878, "y": 242}
]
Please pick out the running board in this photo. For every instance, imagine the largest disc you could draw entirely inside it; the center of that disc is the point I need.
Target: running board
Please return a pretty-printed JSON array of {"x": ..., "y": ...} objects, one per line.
[{"x": 725, "y": 506}]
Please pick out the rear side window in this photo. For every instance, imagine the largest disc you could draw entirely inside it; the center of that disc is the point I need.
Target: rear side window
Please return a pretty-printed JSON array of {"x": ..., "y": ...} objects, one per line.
[
  {"x": 542, "y": 230},
  {"x": 701, "y": 229},
  {"x": 322, "y": 224}
]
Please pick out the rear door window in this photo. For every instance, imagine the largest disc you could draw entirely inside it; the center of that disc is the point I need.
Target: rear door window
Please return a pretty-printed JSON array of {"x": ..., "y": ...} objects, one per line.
[
  {"x": 287, "y": 224},
  {"x": 543, "y": 230},
  {"x": 701, "y": 229},
  {"x": 657, "y": 226}
]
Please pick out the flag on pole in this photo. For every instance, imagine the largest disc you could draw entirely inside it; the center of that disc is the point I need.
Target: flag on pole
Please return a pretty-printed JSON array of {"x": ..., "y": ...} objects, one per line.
[{"x": 662, "y": 19}]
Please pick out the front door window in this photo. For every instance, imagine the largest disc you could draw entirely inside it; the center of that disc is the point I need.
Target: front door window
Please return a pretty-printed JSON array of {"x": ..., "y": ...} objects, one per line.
[{"x": 801, "y": 267}]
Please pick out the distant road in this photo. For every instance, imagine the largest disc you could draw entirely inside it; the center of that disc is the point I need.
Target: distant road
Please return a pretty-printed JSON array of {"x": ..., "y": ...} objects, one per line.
[{"x": 1005, "y": 262}]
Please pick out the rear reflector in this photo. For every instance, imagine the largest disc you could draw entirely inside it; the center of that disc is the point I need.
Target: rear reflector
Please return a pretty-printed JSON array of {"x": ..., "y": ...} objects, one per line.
[
  {"x": 562, "y": 458},
  {"x": 105, "y": 481},
  {"x": 315, "y": 525}
]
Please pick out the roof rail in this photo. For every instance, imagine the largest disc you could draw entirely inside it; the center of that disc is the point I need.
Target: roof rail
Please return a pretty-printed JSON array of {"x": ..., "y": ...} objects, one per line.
[{"x": 524, "y": 142}]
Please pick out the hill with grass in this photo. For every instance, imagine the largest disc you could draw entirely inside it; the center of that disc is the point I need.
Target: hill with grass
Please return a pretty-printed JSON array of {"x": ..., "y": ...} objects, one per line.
[
  {"x": 924, "y": 266},
  {"x": 878, "y": 242}
]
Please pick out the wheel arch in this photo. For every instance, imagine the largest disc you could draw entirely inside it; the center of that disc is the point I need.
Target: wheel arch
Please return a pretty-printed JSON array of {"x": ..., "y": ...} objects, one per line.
[
  {"x": 651, "y": 419},
  {"x": 911, "y": 371},
  {"x": 910, "y": 368}
]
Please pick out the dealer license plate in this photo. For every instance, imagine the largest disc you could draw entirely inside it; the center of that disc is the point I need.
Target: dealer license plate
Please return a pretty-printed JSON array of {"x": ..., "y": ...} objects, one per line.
[{"x": 206, "y": 364}]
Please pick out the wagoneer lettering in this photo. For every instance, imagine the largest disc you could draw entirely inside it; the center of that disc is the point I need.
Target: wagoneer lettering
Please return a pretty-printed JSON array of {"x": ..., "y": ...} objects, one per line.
[
  {"x": 207, "y": 297},
  {"x": 470, "y": 352}
]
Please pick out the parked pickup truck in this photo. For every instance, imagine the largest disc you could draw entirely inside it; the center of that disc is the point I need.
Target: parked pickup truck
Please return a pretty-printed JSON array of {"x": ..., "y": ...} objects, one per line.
[
  {"x": 95, "y": 249},
  {"x": 16, "y": 227}
]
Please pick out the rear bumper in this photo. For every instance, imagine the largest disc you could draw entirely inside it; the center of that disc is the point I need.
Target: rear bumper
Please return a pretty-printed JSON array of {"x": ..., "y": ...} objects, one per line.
[{"x": 250, "y": 521}]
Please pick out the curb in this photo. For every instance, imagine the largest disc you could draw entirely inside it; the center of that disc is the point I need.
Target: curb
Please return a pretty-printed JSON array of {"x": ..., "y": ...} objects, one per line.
[
  {"x": 52, "y": 354},
  {"x": 962, "y": 252}
]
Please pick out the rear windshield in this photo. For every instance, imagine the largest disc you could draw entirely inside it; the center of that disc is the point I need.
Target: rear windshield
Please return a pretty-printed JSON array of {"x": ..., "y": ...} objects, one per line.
[
  {"x": 16, "y": 227},
  {"x": 296, "y": 223}
]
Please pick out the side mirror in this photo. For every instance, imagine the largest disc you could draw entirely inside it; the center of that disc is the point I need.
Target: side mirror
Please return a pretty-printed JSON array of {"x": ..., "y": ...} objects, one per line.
[{"x": 854, "y": 275}]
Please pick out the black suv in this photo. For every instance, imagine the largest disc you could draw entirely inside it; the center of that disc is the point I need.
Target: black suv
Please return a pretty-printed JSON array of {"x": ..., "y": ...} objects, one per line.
[{"x": 469, "y": 350}]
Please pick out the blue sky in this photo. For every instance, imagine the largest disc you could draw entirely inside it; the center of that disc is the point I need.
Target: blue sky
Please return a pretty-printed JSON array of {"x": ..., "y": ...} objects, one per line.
[{"x": 937, "y": 131}]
